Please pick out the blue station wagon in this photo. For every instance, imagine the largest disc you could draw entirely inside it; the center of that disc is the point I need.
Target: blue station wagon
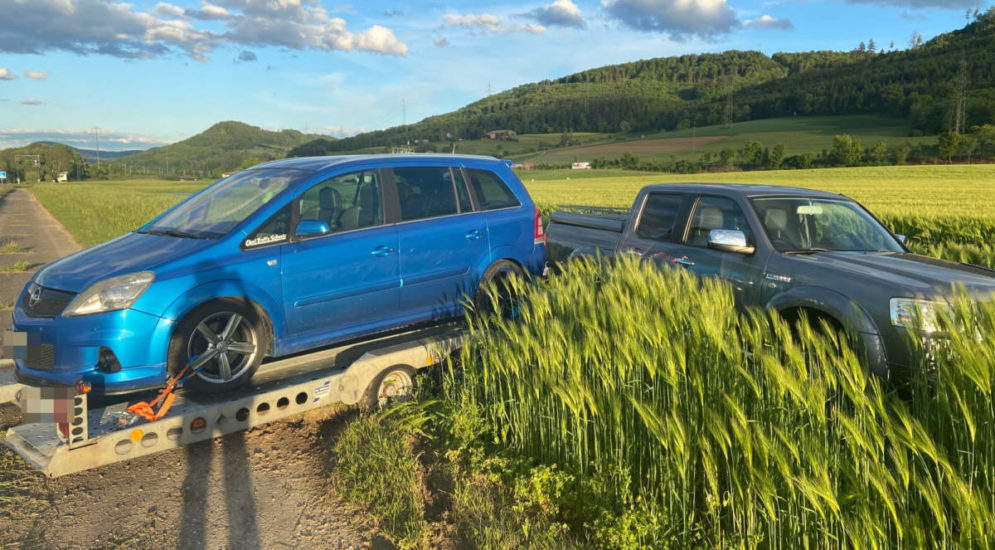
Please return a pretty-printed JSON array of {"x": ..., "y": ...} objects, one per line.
[{"x": 284, "y": 257}]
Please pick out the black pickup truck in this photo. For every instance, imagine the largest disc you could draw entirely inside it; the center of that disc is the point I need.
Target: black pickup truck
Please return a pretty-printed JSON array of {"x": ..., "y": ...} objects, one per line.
[{"x": 785, "y": 249}]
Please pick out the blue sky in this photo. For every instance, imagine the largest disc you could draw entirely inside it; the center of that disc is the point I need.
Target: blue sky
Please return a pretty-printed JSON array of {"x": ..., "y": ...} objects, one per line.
[{"x": 147, "y": 73}]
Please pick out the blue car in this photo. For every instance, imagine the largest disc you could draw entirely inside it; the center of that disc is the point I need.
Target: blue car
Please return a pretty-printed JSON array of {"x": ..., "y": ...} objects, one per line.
[{"x": 284, "y": 257}]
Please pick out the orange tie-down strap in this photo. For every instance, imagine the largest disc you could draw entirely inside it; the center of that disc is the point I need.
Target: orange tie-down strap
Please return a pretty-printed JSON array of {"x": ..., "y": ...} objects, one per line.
[{"x": 146, "y": 410}]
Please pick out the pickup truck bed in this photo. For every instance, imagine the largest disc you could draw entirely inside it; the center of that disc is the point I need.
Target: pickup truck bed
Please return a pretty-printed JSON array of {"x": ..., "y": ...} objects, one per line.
[{"x": 585, "y": 230}]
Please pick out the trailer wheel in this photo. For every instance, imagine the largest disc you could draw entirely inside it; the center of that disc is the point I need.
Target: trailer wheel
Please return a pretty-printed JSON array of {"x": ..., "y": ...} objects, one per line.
[
  {"x": 394, "y": 384},
  {"x": 227, "y": 339}
]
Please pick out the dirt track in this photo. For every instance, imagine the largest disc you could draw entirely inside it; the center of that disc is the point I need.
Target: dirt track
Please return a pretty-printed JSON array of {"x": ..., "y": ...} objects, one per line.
[{"x": 266, "y": 488}]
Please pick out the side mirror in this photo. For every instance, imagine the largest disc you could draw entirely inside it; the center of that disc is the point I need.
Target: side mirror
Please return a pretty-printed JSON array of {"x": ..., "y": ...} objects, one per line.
[
  {"x": 307, "y": 228},
  {"x": 730, "y": 240},
  {"x": 902, "y": 239}
]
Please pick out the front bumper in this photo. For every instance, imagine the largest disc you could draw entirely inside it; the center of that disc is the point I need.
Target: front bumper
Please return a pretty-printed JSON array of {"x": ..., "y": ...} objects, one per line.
[{"x": 62, "y": 350}]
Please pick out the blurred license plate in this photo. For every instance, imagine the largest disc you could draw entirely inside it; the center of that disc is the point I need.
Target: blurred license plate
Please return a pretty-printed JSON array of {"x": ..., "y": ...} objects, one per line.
[{"x": 48, "y": 404}]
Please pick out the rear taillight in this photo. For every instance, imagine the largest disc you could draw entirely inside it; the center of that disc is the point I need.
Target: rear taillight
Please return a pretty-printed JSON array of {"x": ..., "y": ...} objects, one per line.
[{"x": 540, "y": 232}]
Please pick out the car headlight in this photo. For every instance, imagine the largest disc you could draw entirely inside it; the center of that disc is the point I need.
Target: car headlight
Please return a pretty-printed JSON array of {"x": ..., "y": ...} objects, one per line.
[
  {"x": 916, "y": 312},
  {"x": 110, "y": 294}
]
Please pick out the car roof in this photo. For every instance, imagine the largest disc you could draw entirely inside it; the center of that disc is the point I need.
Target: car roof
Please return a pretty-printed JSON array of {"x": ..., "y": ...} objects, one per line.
[
  {"x": 744, "y": 189},
  {"x": 322, "y": 163}
]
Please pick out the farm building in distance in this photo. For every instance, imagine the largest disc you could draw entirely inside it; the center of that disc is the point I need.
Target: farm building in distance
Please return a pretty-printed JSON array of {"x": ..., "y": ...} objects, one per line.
[
  {"x": 62, "y": 177},
  {"x": 501, "y": 134},
  {"x": 527, "y": 165},
  {"x": 581, "y": 166}
]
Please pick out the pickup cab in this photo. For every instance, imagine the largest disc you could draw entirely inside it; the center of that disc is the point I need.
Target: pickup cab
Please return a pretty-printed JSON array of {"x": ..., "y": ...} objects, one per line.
[
  {"x": 788, "y": 250},
  {"x": 285, "y": 257}
]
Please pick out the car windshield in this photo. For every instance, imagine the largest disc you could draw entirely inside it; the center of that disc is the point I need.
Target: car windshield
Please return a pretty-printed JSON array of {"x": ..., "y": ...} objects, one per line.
[
  {"x": 219, "y": 208},
  {"x": 803, "y": 224}
]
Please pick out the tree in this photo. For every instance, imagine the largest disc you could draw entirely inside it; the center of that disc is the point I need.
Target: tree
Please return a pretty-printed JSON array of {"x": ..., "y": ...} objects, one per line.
[
  {"x": 902, "y": 153},
  {"x": 727, "y": 156},
  {"x": 968, "y": 145},
  {"x": 947, "y": 145},
  {"x": 846, "y": 151},
  {"x": 871, "y": 46},
  {"x": 776, "y": 157},
  {"x": 752, "y": 153},
  {"x": 878, "y": 154},
  {"x": 249, "y": 162}
]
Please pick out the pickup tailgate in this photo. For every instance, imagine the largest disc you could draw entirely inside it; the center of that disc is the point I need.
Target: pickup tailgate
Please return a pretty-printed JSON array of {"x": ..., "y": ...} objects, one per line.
[{"x": 585, "y": 232}]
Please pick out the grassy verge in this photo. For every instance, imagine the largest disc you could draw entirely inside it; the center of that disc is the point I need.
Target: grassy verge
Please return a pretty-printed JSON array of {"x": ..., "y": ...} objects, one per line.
[
  {"x": 94, "y": 212},
  {"x": 665, "y": 420},
  {"x": 16, "y": 266},
  {"x": 11, "y": 247}
]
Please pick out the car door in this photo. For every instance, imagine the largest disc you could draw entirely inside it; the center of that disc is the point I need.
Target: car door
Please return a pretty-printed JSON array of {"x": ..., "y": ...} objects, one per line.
[
  {"x": 441, "y": 239},
  {"x": 743, "y": 271},
  {"x": 341, "y": 279}
]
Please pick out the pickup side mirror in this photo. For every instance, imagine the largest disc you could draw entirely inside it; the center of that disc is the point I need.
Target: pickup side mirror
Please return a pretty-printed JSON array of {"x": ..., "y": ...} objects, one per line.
[
  {"x": 902, "y": 239},
  {"x": 306, "y": 228},
  {"x": 730, "y": 240}
]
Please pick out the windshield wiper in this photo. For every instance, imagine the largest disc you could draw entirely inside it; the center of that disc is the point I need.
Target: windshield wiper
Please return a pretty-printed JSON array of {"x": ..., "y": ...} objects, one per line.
[
  {"x": 805, "y": 251},
  {"x": 173, "y": 233}
]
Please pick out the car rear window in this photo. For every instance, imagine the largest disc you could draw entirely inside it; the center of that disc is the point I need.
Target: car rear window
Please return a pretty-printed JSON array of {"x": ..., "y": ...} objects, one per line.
[
  {"x": 490, "y": 190},
  {"x": 659, "y": 216}
]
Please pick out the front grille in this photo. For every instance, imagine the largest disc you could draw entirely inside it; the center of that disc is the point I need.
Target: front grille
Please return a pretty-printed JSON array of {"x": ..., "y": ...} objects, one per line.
[
  {"x": 40, "y": 357},
  {"x": 50, "y": 302}
]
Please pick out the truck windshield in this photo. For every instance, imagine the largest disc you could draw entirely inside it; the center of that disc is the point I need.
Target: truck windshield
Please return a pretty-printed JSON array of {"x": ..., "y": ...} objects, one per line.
[
  {"x": 803, "y": 224},
  {"x": 220, "y": 207}
]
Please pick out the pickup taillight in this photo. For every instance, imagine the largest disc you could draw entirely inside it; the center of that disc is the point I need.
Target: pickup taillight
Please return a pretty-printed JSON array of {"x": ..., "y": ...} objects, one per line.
[{"x": 540, "y": 232}]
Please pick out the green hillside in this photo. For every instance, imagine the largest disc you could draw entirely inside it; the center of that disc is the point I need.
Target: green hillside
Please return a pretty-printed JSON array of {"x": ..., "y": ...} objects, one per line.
[
  {"x": 41, "y": 162},
  {"x": 223, "y": 147},
  {"x": 946, "y": 83}
]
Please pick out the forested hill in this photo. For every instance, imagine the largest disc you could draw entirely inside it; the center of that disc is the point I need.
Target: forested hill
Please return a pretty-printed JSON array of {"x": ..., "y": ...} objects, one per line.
[
  {"x": 222, "y": 147},
  {"x": 925, "y": 83}
]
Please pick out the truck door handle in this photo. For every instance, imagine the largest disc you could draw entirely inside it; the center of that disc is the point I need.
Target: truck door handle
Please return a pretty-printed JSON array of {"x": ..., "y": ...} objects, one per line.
[
  {"x": 474, "y": 235},
  {"x": 382, "y": 250},
  {"x": 685, "y": 261}
]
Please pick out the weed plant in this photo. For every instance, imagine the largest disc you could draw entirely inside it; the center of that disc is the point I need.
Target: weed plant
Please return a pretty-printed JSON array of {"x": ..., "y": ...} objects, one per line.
[{"x": 683, "y": 424}]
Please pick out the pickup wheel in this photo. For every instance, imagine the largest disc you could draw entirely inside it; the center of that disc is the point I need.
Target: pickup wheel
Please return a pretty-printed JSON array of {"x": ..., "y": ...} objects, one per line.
[
  {"x": 495, "y": 293},
  {"x": 227, "y": 341}
]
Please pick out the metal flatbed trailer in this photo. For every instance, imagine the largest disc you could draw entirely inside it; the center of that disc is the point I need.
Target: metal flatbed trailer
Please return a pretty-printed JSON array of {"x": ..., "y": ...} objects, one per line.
[{"x": 280, "y": 389}]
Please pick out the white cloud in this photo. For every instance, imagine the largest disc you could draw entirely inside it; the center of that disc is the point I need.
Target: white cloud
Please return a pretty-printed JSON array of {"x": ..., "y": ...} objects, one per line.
[
  {"x": 441, "y": 41},
  {"x": 948, "y": 4},
  {"x": 169, "y": 10},
  {"x": 767, "y": 22},
  {"x": 677, "y": 18},
  {"x": 486, "y": 23},
  {"x": 36, "y": 75},
  {"x": 30, "y": 102},
  {"x": 561, "y": 13},
  {"x": 5, "y": 74},
  {"x": 111, "y": 27},
  {"x": 109, "y": 139},
  {"x": 208, "y": 12}
]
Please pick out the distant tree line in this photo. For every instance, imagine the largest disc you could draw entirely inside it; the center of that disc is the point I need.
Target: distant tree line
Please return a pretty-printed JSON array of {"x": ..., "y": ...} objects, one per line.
[
  {"x": 845, "y": 151},
  {"x": 946, "y": 84}
]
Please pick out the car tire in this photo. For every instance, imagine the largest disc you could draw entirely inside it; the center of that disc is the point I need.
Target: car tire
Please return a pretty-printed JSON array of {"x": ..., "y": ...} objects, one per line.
[
  {"x": 394, "y": 384},
  {"x": 231, "y": 333},
  {"x": 498, "y": 274}
]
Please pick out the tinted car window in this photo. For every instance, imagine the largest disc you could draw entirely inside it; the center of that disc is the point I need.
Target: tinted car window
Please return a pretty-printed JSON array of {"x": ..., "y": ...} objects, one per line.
[
  {"x": 803, "y": 223},
  {"x": 716, "y": 213},
  {"x": 425, "y": 192},
  {"x": 490, "y": 191},
  {"x": 346, "y": 202},
  {"x": 659, "y": 216}
]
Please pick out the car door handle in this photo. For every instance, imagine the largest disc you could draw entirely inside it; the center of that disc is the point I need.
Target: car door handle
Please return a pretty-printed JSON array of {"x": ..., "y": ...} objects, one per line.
[
  {"x": 474, "y": 235},
  {"x": 382, "y": 251},
  {"x": 685, "y": 261}
]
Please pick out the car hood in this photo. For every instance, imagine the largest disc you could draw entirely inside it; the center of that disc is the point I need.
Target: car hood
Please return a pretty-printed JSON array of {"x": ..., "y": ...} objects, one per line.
[
  {"x": 125, "y": 254},
  {"x": 911, "y": 273}
]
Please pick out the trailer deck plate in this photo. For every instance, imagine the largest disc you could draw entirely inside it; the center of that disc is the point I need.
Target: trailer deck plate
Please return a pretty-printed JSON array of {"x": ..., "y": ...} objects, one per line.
[{"x": 283, "y": 389}]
